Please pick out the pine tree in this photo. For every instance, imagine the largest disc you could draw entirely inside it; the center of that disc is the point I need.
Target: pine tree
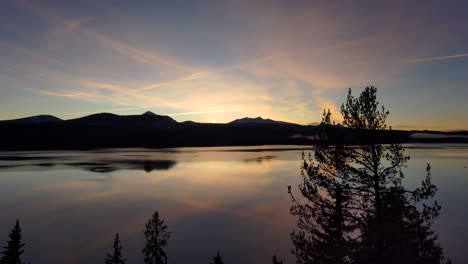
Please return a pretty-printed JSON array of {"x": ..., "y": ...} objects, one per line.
[
  {"x": 14, "y": 248},
  {"x": 326, "y": 222},
  {"x": 116, "y": 257},
  {"x": 357, "y": 209},
  {"x": 218, "y": 259},
  {"x": 156, "y": 235},
  {"x": 275, "y": 260},
  {"x": 407, "y": 230}
]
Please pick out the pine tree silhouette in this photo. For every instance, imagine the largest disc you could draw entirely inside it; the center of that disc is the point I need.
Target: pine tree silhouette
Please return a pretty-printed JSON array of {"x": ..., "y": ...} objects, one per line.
[
  {"x": 218, "y": 259},
  {"x": 14, "y": 248},
  {"x": 275, "y": 260},
  {"x": 116, "y": 257},
  {"x": 156, "y": 235},
  {"x": 357, "y": 209}
]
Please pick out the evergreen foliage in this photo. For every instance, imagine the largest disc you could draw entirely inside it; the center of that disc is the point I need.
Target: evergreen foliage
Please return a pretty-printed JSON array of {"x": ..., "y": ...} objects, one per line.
[
  {"x": 356, "y": 208},
  {"x": 156, "y": 235},
  {"x": 276, "y": 261},
  {"x": 116, "y": 257},
  {"x": 14, "y": 249},
  {"x": 218, "y": 259}
]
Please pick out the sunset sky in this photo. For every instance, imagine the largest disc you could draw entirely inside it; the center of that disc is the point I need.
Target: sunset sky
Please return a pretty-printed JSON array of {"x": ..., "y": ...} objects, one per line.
[{"x": 215, "y": 61}]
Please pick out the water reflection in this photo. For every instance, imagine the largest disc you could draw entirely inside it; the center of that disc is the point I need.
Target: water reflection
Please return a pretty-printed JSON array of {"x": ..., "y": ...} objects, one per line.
[
  {"x": 96, "y": 163},
  {"x": 260, "y": 159},
  {"x": 103, "y": 161},
  {"x": 210, "y": 198}
]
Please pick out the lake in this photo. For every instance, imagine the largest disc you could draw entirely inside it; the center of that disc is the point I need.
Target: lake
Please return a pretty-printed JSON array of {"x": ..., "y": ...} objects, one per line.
[{"x": 232, "y": 199}]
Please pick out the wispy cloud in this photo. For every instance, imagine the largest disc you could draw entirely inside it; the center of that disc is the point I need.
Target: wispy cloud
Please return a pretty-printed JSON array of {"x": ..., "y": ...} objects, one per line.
[
  {"x": 79, "y": 26},
  {"x": 135, "y": 53},
  {"x": 283, "y": 61},
  {"x": 70, "y": 95},
  {"x": 438, "y": 58}
]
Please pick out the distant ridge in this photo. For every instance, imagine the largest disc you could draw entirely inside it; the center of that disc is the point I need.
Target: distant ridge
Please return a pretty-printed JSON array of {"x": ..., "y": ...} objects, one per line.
[
  {"x": 150, "y": 130},
  {"x": 38, "y": 119},
  {"x": 147, "y": 119},
  {"x": 149, "y": 113},
  {"x": 103, "y": 118},
  {"x": 258, "y": 121}
]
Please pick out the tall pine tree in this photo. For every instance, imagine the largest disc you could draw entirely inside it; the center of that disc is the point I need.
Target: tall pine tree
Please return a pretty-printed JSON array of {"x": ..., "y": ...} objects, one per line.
[
  {"x": 218, "y": 259},
  {"x": 116, "y": 257},
  {"x": 14, "y": 248},
  {"x": 156, "y": 235},
  {"x": 275, "y": 260},
  {"x": 357, "y": 209}
]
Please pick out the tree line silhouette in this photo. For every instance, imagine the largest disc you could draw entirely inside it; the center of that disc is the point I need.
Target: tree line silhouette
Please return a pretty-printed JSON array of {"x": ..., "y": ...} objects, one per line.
[
  {"x": 354, "y": 207},
  {"x": 156, "y": 237}
]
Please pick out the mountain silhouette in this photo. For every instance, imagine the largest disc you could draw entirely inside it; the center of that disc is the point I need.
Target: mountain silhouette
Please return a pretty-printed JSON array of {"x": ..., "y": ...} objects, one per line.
[
  {"x": 149, "y": 113},
  {"x": 147, "y": 120},
  {"x": 258, "y": 121},
  {"x": 150, "y": 130},
  {"x": 38, "y": 119}
]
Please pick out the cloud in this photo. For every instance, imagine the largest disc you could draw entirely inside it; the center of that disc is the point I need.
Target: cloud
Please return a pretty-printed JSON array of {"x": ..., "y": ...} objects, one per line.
[
  {"x": 79, "y": 26},
  {"x": 76, "y": 24},
  {"x": 438, "y": 58},
  {"x": 70, "y": 95},
  {"x": 285, "y": 61},
  {"x": 135, "y": 53}
]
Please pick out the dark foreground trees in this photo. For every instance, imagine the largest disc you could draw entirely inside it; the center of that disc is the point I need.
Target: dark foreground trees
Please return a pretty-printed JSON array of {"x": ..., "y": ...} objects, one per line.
[
  {"x": 356, "y": 208},
  {"x": 275, "y": 260},
  {"x": 156, "y": 235},
  {"x": 14, "y": 249},
  {"x": 116, "y": 257},
  {"x": 218, "y": 259}
]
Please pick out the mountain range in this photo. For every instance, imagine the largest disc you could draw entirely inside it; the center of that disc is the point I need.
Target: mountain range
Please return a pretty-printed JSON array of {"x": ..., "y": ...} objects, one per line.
[
  {"x": 106, "y": 130},
  {"x": 113, "y": 119}
]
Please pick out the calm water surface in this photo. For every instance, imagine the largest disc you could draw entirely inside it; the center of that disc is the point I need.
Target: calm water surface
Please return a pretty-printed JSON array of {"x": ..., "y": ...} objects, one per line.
[{"x": 71, "y": 203}]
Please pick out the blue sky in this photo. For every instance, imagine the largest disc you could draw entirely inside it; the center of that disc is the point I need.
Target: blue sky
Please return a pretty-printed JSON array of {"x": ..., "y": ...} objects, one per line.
[{"x": 215, "y": 61}]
